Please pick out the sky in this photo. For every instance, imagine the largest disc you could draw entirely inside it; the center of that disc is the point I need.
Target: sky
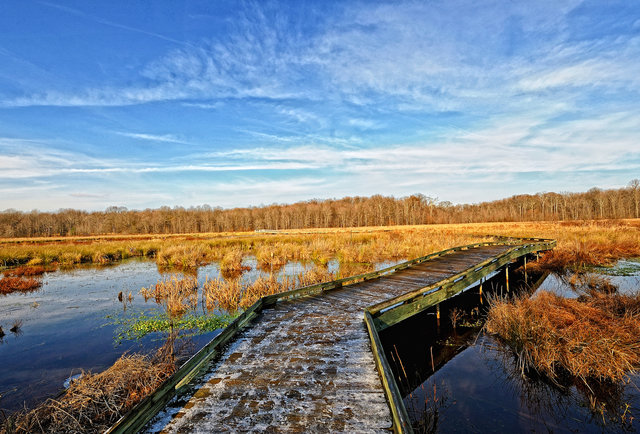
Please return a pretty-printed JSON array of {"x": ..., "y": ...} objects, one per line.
[{"x": 229, "y": 103}]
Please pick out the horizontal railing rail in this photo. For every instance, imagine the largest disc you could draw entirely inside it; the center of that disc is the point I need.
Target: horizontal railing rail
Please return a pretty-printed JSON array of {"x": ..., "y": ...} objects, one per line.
[
  {"x": 395, "y": 309},
  {"x": 391, "y": 311},
  {"x": 144, "y": 411}
]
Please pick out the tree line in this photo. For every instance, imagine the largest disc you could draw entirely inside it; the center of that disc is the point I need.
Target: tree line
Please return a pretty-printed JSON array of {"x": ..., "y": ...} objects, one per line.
[{"x": 346, "y": 212}]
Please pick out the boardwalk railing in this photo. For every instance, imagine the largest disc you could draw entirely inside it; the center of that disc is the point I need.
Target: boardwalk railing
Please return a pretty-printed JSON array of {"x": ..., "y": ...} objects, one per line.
[
  {"x": 392, "y": 311},
  {"x": 376, "y": 318}
]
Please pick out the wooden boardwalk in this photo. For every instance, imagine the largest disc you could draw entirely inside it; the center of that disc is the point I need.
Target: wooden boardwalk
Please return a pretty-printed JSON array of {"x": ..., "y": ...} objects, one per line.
[{"x": 307, "y": 364}]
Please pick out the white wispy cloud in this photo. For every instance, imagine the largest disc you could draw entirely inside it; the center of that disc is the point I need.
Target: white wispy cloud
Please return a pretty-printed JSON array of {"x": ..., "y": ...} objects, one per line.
[
  {"x": 168, "y": 138},
  {"x": 409, "y": 54}
]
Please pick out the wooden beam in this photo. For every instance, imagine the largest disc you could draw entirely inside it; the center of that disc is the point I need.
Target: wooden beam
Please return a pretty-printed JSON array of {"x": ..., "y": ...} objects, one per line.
[{"x": 401, "y": 421}]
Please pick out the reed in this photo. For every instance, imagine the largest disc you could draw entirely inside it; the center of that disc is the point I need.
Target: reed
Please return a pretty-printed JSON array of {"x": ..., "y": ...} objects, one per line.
[
  {"x": 188, "y": 256},
  {"x": 16, "y": 327},
  {"x": 222, "y": 294},
  {"x": 94, "y": 402},
  {"x": 177, "y": 295},
  {"x": 25, "y": 271},
  {"x": 230, "y": 295},
  {"x": 262, "y": 287},
  {"x": 18, "y": 284},
  {"x": 273, "y": 257},
  {"x": 455, "y": 315},
  {"x": 595, "y": 337},
  {"x": 580, "y": 244},
  {"x": 231, "y": 263},
  {"x": 311, "y": 276}
]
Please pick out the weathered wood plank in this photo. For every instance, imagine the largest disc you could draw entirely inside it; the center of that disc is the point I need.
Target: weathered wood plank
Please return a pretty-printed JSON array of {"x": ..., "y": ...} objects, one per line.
[{"x": 298, "y": 331}]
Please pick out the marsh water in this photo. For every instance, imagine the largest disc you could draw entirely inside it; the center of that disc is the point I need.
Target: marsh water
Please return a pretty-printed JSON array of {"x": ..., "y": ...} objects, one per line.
[
  {"x": 72, "y": 323},
  {"x": 472, "y": 383}
]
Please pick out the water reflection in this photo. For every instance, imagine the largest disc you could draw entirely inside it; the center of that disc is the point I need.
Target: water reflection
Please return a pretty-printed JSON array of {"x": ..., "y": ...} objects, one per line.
[
  {"x": 68, "y": 324},
  {"x": 460, "y": 380}
]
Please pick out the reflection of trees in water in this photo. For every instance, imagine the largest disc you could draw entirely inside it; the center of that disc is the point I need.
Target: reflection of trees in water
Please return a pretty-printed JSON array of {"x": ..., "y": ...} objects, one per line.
[{"x": 551, "y": 401}]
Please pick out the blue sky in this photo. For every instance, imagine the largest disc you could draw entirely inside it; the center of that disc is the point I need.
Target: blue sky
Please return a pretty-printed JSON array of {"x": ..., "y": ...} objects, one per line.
[{"x": 145, "y": 104}]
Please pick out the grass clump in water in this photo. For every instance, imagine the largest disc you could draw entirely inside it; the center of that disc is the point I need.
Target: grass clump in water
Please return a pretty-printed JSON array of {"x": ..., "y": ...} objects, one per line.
[
  {"x": 594, "y": 337},
  {"x": 177, "y": 295},
  {"x": 94, "y": 402},
  {"x": 231, "y": 295},
  {"x": 18, "y": 284}
]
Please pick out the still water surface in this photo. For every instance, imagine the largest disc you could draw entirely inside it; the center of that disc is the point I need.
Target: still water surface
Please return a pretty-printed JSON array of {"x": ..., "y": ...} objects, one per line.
[
  {"x": 69, "y": 324},
  {"x": 478, "y": 387}
]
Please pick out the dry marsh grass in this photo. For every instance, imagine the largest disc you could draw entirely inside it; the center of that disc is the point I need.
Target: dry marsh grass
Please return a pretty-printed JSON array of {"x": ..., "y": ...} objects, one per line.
[
  {"x": 94, "y": 402},
  {"x": 594, "y": 338},
  {"x": 222, "y": 294},
  {"x": 580, "y": 243},
  {"x": 36, "y": 270},
  {"x": 18, "y": 284},
  {"x": 231, "y": 295},
  {"x": 231, "y": 263},
  {"x": 177, "y": 295}
]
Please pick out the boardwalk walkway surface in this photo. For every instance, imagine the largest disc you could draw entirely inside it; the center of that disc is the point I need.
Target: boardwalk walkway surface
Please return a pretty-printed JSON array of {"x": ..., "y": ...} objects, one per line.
[{"x": 307, "y": 365}]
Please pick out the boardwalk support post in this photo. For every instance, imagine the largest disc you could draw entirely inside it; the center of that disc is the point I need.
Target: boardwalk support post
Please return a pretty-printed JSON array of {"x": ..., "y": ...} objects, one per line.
[{"x": 506, "y": 275}]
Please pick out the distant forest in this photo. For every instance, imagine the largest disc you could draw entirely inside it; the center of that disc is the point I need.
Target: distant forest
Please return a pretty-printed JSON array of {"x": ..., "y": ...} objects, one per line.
[{"x": 347, "y": 212}]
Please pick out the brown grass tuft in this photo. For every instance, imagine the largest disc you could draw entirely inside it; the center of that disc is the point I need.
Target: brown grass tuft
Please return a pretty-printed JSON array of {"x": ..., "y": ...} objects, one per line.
[
  {"x": 18, "y": 284},
  {"x": 592, "y": 338},
  {"x": 94, "y": 402},
  {"x": 177, "y": 295},
  {"x": 222, "y": 294},
  {"x": 263, "y": 287},
  {"x": 231, "y": 295},
  {"x": 231, "y": 264},
  {"x": 315, "y": 275},
  {"x": 25, "y": 271}
]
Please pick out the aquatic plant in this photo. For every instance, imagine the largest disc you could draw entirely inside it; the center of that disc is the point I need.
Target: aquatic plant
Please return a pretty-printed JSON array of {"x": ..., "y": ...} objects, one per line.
[
  {"x": 222, "y": 294},
  {"x": 18, "y": 284},
  {"x": 264, "y": 286},
  {"x": 25, "y": 271},
  {"x": 182, "y": 256},
  {"x": 311, "y": 276},
  {"x": 592, "y": 338},
  {"x": 17, "y": 325},
  {"x": 455, "y": 315},
  {"x": 272, "y": 257},
  {"x": 141, "y": 325},
  {"x": 231, "y": 263},
  {"x": 348, "y": 269},
  {"x": 177, "y": 295},
  {"x": 94, "y": 402},
  {"x": 230, "y": 295}
]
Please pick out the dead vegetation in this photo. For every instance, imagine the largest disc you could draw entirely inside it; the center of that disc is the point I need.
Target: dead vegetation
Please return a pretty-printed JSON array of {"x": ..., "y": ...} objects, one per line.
[
  {"x": 94, "y": 402},
  {"x": 231, "y": 295},
  {"x": 25, "y": 271},
  {"x": 177, "y": 295},
  {"x": 16, "y": 327},
  {"x": 21, "y": 279},
  {"x": 222, "y": 294},
  {"x": 231, "y": 263},
  {"x": 18, "y": 284},
  {"x": 591, "y": 338},
  {"x": 580, "y": 243}
]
